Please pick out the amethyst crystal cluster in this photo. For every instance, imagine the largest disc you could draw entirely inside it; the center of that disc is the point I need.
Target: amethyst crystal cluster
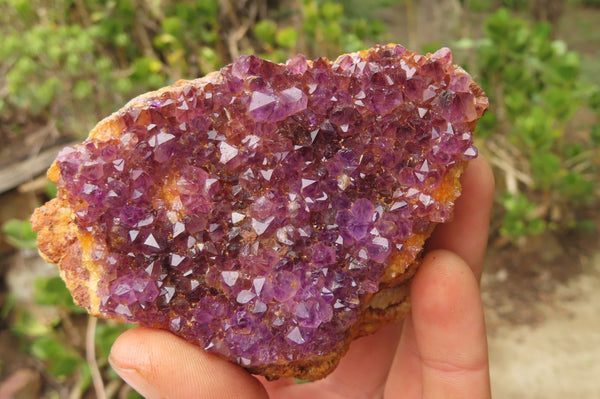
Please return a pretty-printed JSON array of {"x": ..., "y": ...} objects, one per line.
[{"x": 253, "y": 211}]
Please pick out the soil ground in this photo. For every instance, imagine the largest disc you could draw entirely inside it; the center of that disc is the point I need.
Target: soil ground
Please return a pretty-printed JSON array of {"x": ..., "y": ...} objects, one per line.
[
  {"x": 543, "y": 324},
  {"x": 558, "y": 357}
]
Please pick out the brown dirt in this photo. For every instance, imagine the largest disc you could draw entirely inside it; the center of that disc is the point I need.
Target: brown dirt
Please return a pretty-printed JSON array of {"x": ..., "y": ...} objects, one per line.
[
  {"x": 541, "y": 303},
  {"x": 556, "y": 356},
  {"x": 519, "y": 279}
]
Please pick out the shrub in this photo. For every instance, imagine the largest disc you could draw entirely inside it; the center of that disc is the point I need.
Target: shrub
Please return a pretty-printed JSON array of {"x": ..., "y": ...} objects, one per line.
[{"x": 532, "y": 132}]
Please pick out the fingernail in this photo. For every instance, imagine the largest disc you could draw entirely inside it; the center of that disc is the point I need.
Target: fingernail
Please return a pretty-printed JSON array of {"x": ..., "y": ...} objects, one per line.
[{"x": 135, "y": 380}]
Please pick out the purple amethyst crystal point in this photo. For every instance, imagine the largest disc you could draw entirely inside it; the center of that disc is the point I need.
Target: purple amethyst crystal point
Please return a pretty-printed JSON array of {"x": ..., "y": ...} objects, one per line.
[{"x": 269, "y": 213}]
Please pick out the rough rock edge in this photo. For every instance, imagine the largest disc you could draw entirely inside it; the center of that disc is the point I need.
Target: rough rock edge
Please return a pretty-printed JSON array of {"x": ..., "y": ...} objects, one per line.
[{"x": 60, "y": 242}]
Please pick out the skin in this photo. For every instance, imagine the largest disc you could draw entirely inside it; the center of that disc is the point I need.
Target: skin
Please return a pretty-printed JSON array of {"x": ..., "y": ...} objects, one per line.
[{"x": 439, "y": 351}]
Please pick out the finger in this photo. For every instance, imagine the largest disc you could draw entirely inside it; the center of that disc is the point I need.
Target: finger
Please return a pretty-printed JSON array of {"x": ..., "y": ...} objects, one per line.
[
  {"x": 361, "y": 373},
  {"x": 405, "y": 374},
  {"x": 449, "y": 329},
  {"x": 158, "y": 364},
  {"x": 467, "y": 234}
]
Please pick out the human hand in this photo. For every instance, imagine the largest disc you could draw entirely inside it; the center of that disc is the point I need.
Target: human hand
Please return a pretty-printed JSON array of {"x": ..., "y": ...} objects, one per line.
[{"x": 439, "y": 351}]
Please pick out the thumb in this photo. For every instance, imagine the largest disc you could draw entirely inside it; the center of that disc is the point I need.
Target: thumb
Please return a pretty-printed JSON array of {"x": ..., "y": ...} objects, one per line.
[{"x": 158, "y": 364}]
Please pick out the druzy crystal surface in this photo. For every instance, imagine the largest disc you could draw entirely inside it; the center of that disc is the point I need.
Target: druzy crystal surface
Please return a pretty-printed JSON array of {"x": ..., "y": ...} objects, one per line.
[{"x": 252, "y": 213}]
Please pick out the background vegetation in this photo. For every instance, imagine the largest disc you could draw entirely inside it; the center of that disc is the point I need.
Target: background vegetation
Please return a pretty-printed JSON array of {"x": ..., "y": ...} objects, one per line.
[{"x": 66, "y": 64}]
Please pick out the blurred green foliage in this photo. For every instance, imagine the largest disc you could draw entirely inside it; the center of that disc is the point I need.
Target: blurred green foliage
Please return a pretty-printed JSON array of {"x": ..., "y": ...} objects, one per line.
[
  {"x": 52, "y": 291},
  {"x": 536, "y": 91},
  {"x": 589, "y": 2},
  {"x": 50, "y": 339},
  {"x": 520, "y": 218},
  {"x": 74, "y": 62},
  {"x": 332, "y": 28},
  {"x": 18, "y": 233},
  {"x": 487, "y": 5},
  {"x": 60, "y": 358},
  {"x": 319, "y": 28},
  {"x": 45, "y": 338}
]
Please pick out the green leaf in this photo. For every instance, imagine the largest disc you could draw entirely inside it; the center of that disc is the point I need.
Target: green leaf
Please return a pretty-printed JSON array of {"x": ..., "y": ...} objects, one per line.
[
  {"x": 172, "y": 26},
  {"x": 45, "y": 348},
  {"x": 45, "y": 92},
  {"x": 466, "y": 43},
  {"x": 106, "y": 334},
  {"x": 52, "y": 291},
  {"x": 24, "y": 8},
  {"x": 19, "y": 234},
  {"x": 146, "y": 67},
  {"x": 277, "y": 55},
  {"x": 26, "y": 324},
  {"x": 166, "y": 41},
  {"x": 331, "y": 11},
  {"x": 562, "y": 103},
  {"x": 545, "y": 168},
  {"x": 123, "y": 85},
  {"x": 7, "y": 306},
  {"x": 209, "y": 59},
  {"x": 286, "y": 38},
  {"x": 265, "y": 30},
  {"x": 122, "y": 39},
  {"x": 559, "y": 47},
  {"x": 82, "y": 89},
  {"x": 519, "y": 218},
  {"x": 577, "y": 187},
  {"x": 594, "y": 98},
  {"x": 332, "y": 31},
  {"x": 61, "y": 359},
  {"x": 431, "y": 47},
  {"x": 51, "y": 189},
  {"x": 352, "y": 43},
  {"x": 572, "y": 150},
  {"x": 64, "y": 365},
  {"x": 480, "y": 5},
  {"x": 536, "y": 227}
]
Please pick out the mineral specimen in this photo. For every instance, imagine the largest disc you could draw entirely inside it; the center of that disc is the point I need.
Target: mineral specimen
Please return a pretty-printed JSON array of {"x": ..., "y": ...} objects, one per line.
[{"x": 268, "y": 213}]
